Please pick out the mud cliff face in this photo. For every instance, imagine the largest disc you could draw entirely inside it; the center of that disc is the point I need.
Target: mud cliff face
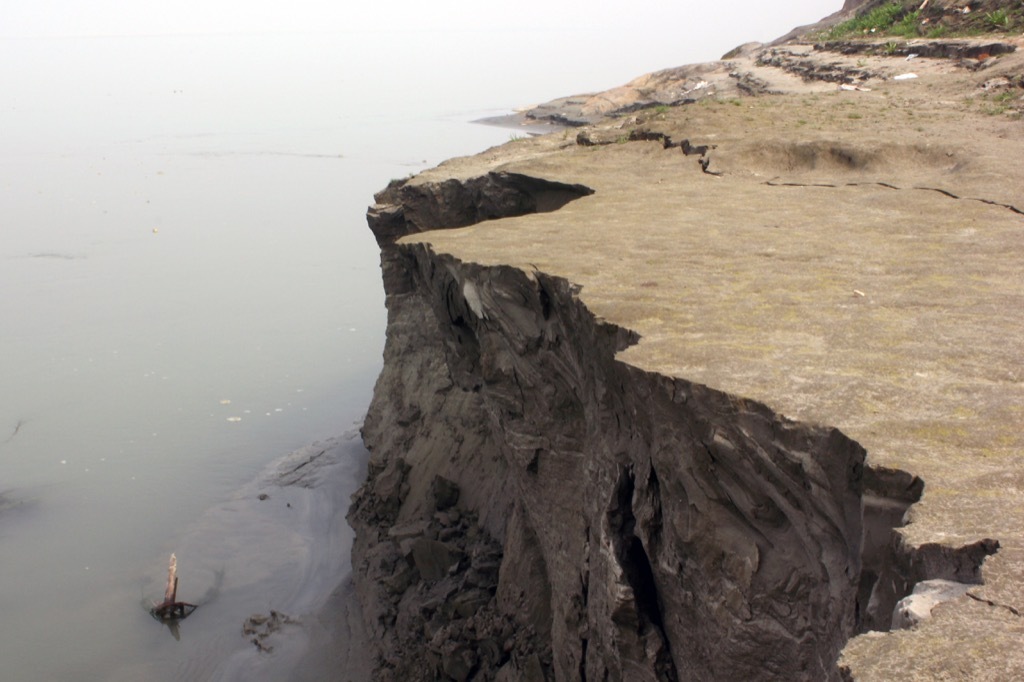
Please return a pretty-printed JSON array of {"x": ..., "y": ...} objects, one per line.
[
  {"x": 536, "y": 509},
  {"x": 553, "y": 497}
]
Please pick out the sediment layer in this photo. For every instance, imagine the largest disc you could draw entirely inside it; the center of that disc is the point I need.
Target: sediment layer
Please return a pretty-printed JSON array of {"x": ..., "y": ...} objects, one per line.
[{"x": 682, "y": 402}]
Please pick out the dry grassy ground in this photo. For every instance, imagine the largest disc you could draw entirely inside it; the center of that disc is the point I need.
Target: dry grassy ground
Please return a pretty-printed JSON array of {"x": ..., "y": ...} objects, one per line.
[{"x": 853, "y": 258}]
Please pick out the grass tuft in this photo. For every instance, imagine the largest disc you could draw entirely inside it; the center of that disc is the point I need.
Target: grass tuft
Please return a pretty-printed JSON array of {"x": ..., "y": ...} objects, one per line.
[
  {"x": 998, "y": 19},
  {"x": 904, "y": 19},
  {"x": 909, "y": 26},
  {"x": 877, "y": 20}
]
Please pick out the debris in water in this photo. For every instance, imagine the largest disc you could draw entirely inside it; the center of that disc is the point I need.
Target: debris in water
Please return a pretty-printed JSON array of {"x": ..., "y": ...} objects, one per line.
[
  {"x": 259, "y": 627},
  {"x": 17, "y": 427},
  {"x": 170, "y": 608}
]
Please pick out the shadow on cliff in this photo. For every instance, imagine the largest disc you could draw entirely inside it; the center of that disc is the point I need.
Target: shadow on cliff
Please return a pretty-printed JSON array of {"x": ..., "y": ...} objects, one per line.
[
  {"x": 608, "y": 523},
  {"x": 407, "y": 207}
]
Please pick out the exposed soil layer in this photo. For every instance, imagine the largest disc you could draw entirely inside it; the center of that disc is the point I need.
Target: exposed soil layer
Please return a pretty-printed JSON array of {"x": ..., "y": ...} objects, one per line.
[{"x": 704, "y": 391}]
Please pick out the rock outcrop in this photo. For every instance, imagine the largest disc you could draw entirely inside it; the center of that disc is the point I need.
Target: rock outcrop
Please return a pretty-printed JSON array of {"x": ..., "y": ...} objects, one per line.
[{"x": 639, "y": 422}]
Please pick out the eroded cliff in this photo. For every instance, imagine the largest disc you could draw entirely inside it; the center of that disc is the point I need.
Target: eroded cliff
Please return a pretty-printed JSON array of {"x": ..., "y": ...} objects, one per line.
[{"x": 599, "y": 483}]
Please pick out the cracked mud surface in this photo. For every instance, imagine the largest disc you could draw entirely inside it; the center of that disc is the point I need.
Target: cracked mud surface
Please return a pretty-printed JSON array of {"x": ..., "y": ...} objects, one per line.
[{"x": 849, "y": 259}]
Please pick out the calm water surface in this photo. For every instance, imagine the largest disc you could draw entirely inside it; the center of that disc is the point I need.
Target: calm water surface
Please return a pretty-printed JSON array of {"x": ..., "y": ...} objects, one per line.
[{"x": 189, "y": 292}]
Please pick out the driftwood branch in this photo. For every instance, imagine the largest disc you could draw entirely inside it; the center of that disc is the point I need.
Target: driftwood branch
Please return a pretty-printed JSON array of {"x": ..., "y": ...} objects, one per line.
[
  {"x": 171, "y": 608},
  {"x": 172, "y": 580}
]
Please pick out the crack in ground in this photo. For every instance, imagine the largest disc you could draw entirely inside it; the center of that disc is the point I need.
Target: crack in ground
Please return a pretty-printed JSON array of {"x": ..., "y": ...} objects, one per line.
[
  {"x": 994, "y": 604},
  {"x": 773, "y": 183}
]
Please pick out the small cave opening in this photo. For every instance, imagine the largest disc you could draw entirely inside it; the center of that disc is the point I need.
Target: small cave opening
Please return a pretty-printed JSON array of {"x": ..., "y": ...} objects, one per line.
[
  {"x": 884, "y": 580},
  {"x": 461, "y": 340},
  {"x": 641, "y": 578},
  {"x": 635, "y": 563}
]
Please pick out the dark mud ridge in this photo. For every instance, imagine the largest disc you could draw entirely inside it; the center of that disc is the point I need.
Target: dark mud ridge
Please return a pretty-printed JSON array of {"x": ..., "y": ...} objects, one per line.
[{"x": 537, "y": 510}]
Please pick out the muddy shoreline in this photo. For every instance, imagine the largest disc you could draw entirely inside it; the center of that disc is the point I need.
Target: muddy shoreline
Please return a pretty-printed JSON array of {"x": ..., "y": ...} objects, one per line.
[{"x": 270, "y": 570}]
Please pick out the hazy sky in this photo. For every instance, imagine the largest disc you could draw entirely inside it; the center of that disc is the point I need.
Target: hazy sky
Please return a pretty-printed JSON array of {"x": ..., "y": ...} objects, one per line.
[
  {"x": 690, "y": 22},
  {"x": 265, "y": 57}
]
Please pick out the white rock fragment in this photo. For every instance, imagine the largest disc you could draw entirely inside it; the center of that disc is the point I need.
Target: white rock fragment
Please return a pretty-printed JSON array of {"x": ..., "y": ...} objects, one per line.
[
  {"x": 472, "y": 296},
  {"x": 927, "y": 594}
]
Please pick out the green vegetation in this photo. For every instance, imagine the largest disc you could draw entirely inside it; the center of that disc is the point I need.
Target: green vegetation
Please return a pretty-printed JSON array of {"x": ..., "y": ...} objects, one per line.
[
  {"x": 905, "y": 20},
  {"x": 998, "y": 20},
  {"x": 909, "y": 26},
  {"x": 877, "y": 20},
  {"x": 1002, "y": 103},
  {"x": 890, "y": 19},
  {"x": 1006, "y": 102}
]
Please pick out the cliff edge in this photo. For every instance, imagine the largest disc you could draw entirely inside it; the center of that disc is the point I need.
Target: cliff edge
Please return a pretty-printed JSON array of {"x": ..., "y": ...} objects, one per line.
[{"x": 723, "y": 385}]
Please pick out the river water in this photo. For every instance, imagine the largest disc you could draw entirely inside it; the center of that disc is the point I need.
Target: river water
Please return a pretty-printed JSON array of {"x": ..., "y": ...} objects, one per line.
[{"x": 189, "y": 293}]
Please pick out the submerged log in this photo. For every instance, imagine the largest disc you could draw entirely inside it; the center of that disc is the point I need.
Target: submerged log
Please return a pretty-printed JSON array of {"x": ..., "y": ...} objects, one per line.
[{"x": 171, "y": 608}]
